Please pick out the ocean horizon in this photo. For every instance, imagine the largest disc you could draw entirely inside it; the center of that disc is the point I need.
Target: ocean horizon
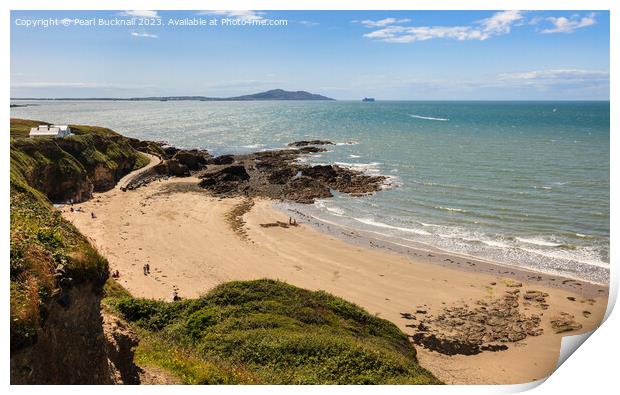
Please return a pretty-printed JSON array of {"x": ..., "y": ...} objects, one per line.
[{"x": 523, "y": 183}]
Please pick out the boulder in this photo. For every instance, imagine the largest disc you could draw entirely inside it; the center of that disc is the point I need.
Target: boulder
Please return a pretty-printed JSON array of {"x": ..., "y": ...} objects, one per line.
[
  {"x": 175, "y": 168},
  {"x": 564, "y": 322},
  {"x": 225, "y": 180},
  {"x": 222, "y": 160},
  {"x": 193, "y": 159},
  {"x": 170, "y": 151}
]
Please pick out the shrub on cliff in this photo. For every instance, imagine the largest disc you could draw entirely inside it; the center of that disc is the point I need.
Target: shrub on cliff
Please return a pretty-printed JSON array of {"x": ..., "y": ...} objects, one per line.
[{"x": 267, "y": 331}]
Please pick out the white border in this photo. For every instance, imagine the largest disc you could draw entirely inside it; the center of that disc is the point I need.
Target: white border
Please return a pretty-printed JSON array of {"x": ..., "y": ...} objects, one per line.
[{"x": 591, "y": 370}]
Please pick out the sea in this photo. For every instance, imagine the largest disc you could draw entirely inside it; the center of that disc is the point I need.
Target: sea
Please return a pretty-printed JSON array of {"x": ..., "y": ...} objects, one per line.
[{"x": 518, "y": 183}]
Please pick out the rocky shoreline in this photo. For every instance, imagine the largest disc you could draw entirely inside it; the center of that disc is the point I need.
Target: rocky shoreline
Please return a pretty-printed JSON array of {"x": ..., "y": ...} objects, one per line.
[{"x": 276, "y": 174}]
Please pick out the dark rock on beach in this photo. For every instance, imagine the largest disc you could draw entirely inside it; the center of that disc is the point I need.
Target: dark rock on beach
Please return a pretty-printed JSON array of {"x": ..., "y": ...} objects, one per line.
[
  {"x": 222, "y": 160},
  {"x": 486, "y": 327},
  {"x": 305, "y": 143},
  {"x": 274, "y": 174},
  {"x": 226, "y": 180},
  {"x": 192, "y": 159},
  {"x": 279, "y": 175},
  {"x": 564, "y": 322}
]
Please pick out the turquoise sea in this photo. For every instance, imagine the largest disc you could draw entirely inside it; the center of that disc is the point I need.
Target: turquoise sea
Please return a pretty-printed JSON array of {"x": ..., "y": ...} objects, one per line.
[{"x": 521, "y": 183}]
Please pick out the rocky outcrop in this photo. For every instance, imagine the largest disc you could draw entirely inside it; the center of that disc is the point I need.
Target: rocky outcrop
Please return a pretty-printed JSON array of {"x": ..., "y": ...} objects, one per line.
[
  {"x": 487, "y": 326},
  {"x": 226, "y": 180},
  {"x": 78, "y": 345},
  {"x": 272, "y": 174},
  {"x": 278, "y": 175},
  {"x": 70, "y": 347},
  {"x": 192, "y": 159},
  {"x": 222, "y": 160},
  {"x": 564, "y": 322},
  {"x": 305, "y": 143},
  {"x": 121, "y": 341}
]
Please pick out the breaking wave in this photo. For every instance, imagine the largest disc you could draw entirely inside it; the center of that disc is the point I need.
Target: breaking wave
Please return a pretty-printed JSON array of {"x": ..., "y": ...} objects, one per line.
[{"x": 428, "y": 118}]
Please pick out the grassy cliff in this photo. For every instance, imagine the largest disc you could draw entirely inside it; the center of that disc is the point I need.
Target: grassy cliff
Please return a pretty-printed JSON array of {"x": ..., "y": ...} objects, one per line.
[
  {"x": 48, "y": 254},
  {"x": 270, "y": 332},
  {"x": 72, "y": 168}
]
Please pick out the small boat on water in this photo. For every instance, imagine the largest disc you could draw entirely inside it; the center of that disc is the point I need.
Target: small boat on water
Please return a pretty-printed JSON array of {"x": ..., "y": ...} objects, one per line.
[{"x": 368, "y": 99}]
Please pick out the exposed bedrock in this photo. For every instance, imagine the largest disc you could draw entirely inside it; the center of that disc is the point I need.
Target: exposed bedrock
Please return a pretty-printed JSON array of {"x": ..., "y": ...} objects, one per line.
[{"x": 279, "y": 175}]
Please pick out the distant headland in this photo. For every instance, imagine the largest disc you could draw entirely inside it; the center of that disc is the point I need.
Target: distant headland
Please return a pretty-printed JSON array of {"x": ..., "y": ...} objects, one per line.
[{"x": 274, "y": 94}]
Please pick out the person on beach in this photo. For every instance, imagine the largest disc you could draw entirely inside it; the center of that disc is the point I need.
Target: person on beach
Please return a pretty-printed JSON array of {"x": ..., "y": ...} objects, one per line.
[
  {"x": 148, "y": 268},
  {"x": 92, "y": 215},
  {"x": 144, "y": 270},
  {"x": 174, "y": 296}
]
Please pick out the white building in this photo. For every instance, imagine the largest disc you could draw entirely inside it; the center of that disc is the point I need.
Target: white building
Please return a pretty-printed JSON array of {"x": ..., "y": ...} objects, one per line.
[{"x": 51, "y": 131}]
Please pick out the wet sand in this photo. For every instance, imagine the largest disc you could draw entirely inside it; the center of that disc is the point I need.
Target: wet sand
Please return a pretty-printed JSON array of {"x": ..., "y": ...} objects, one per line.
[{"x": 194, "y": 242}]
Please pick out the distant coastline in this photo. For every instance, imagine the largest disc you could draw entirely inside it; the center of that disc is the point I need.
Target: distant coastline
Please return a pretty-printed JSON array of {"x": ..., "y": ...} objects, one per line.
[{"x": 274, "y": 94}]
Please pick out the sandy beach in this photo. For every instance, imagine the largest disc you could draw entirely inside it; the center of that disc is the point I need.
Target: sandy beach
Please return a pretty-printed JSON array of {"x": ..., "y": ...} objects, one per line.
[{"x": 193, "y": 242}]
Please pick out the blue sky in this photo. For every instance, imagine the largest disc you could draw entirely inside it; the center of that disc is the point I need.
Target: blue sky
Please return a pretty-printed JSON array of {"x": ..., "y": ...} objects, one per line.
[{"x": 418, "y": 55}]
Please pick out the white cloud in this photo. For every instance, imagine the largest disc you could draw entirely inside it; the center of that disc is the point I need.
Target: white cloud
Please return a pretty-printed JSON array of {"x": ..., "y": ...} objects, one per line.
[
  {"x": 382, "y": 22},
  {"x": 556, "y": 75},
  {"x": 79, "y": 85},
  {"x": 309, "y": 23},
  {"x": 569, "y": 25},
  {"x": 237, "y": 14},
  {"x": 141, "y": 14},
  {"x": 498, "y": 24},
  {"x": 145, "y": 35}
]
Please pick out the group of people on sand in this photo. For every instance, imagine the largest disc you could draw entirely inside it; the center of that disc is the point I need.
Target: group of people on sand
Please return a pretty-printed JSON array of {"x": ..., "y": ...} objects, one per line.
[
  {"x": 116, "y": 274},
  {"x": 292, "y": 221},
  {"x": 79, "y": 210},
  {"x": 146, "y": 269}
]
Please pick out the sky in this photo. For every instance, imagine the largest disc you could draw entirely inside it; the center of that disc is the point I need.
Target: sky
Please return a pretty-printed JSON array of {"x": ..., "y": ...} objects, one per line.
[{"x": 389, "y": 55}]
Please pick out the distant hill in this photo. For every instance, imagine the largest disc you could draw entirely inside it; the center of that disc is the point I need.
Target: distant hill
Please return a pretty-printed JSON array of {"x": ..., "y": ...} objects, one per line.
[
  {"x": 280, "y": 94},
  {"x": 274, "y": 94}
]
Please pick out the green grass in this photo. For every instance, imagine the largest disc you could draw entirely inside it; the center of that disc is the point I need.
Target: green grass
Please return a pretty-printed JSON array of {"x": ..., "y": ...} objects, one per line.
[
  {"x": 267, "y": 331},
  {"x": 20, "y": 128},
  {"x": 141, "y": 161},
  {"x": 48, "y": 252},
  {"x": 113, "y": 290},
  {"x": 42, "y": 242},
  {"x": 61, "y": 167},
  {"x": 93, "y": 130}
]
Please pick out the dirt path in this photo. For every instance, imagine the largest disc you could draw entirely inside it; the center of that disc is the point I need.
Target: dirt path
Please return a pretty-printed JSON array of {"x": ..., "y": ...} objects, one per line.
[{"x": 122, "y": 183}]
